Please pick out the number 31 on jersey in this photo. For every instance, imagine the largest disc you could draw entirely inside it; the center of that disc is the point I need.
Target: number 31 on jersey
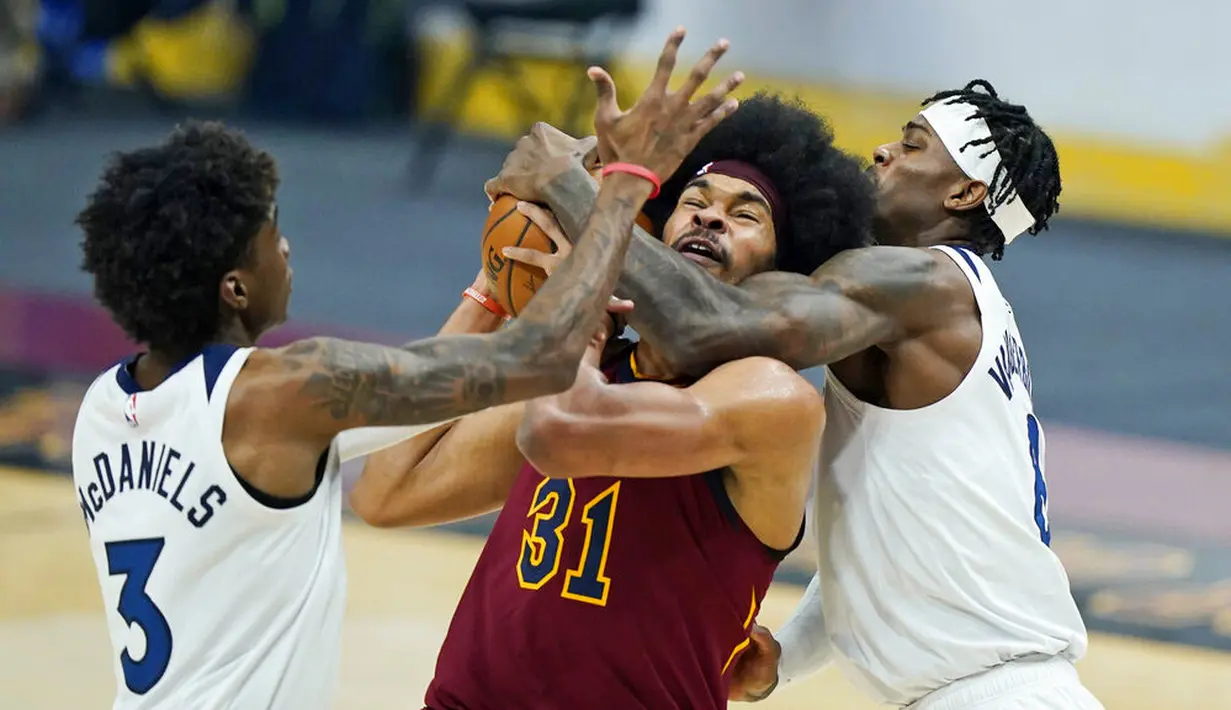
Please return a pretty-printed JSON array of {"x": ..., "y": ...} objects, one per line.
[{"x": 541, "y": 546}]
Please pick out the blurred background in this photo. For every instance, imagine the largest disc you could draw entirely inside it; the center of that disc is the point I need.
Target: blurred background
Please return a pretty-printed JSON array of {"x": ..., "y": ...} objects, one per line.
[{"x": 386, "y": 117}]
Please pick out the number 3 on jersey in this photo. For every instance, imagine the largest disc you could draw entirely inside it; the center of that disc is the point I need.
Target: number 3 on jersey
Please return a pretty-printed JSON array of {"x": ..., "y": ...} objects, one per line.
[
  {"x": 135, "y": 560},
  {"x": 1035, "y": 434},
  {"x": 541, "y": 546}
]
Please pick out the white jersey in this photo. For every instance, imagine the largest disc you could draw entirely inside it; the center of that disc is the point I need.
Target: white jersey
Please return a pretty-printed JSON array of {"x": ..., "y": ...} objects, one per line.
[
  {"x": 216, "y": 595},
  {"x": 932, "y": 529}
]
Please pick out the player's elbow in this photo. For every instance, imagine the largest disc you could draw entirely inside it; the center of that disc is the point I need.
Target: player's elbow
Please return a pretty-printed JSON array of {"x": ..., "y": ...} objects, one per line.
[
  {"x": 383, "y": 497},
  {"x": 801, "y": 409},
  {"x": 372, "y": 507},
  {"x": 548, "y": 438}
]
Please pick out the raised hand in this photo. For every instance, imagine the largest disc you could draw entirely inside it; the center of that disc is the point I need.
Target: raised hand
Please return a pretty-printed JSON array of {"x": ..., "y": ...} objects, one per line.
[
  {"x": 663, "y": 126},
  {"x": 537, "y": 158},
  {"x": 544, "y": 220}
]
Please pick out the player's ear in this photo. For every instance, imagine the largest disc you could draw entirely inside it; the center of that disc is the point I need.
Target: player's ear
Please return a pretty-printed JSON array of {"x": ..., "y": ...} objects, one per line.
[
  {"x": 965, "y": 195},
  {"x": 233, "y": 292}
]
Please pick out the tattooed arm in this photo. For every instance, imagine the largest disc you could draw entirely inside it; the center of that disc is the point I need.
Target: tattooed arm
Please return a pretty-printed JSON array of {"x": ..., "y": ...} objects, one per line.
[
  {"x": 455, "y": 471},
  {"x": 288, "y": 404},
  {"x": 661, "y": 282},
  {"x": 859, "y": 299},
  {"x": 322, "y": 385}
]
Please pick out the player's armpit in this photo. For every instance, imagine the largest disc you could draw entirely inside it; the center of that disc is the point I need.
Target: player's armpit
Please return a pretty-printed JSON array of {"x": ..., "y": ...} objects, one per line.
[
  {"x": 653, "y": 430},
  {"x": 458, "y": 471}
]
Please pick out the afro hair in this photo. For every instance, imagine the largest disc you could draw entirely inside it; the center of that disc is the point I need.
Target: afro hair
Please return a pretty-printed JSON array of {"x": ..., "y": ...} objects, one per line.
[
  {"x": 830, "y": 200},
  {"x": 166, "y": 223}
]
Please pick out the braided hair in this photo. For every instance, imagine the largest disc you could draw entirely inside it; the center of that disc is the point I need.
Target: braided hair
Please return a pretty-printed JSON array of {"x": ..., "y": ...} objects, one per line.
[{"x": 1029, "y": 163}]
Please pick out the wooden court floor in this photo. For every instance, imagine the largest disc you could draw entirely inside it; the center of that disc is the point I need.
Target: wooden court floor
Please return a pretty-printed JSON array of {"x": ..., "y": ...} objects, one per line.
[{"x": 54, "y": 653}]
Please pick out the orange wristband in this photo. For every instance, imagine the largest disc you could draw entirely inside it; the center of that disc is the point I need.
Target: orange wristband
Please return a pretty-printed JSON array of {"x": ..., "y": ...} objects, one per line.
[
  {"x": 489, "y": 303},
  {"x": 638, "y": 170}
]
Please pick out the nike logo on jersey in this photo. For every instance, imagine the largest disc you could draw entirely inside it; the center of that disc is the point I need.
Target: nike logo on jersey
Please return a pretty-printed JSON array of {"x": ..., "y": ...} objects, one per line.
[{"x": 130, "y": 410}]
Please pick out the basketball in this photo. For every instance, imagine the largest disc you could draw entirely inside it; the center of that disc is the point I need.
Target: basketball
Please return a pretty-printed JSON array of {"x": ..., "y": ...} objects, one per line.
[{"x": 513, "y": 284}]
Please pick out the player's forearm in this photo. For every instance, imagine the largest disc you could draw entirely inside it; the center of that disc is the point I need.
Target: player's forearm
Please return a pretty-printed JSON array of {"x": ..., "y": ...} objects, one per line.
[
  {"x": 344, "y": 384},
  {"x": 695, "y": 320},
  {"x": 471, "y": 317},
  {"x": 449, "y": 474},
  {"x": 638, "y": 430},
  {"x": 565, "y": 313},
  {"x": 806, "y": 647},
  {"x": 391, "y": 489}
]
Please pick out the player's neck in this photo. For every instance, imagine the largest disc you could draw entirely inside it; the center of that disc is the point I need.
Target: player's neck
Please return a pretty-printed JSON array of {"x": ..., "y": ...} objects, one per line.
[
  {"x": 236, "y": 334},
  {"x": 951, "y": 230},
  {"x": 153, "y": 367},
  {"x": 648, "y": 363}
]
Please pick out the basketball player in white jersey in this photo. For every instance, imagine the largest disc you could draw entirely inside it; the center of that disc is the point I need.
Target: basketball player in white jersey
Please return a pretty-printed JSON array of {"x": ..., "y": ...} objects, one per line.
[
  {"x": 936, "y": 586},
  {"x": 204, "y": 466}
]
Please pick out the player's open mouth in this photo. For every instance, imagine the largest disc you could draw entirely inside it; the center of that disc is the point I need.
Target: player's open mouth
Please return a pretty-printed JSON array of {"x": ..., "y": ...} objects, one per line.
[{"x": 700, "y": 250}]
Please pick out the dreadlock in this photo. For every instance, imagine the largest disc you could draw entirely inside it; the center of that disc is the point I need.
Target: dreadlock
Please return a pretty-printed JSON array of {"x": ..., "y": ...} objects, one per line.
[{"x": 1029, "y": 163}]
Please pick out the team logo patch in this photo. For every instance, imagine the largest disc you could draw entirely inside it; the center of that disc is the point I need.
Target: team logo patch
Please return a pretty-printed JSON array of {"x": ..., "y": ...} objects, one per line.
[{"x": 130, "y": 410}]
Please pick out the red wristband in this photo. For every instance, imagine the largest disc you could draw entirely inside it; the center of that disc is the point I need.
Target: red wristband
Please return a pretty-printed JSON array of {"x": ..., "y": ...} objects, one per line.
[
  {"x": 489, "y": 303},
  {"x": 639, "y": 171}
]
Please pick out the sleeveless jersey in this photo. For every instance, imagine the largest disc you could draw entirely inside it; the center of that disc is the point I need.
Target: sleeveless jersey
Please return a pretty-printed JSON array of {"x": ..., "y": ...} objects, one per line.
[
  {"x": 605, "y": 593},
  {"x": 932, "y": 528},
  {"x": 216, "y": 595}
]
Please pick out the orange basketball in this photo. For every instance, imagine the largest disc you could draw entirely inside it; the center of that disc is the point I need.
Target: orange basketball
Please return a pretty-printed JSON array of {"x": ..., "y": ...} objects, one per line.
[{"x": 511, "y": 283}]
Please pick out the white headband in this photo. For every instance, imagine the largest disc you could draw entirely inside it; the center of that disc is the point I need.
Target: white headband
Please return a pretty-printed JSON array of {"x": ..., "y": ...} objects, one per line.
[{"x": 953, "y": 123}]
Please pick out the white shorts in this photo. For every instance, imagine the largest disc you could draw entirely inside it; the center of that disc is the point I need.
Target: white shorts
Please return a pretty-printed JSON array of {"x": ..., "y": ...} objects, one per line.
[{"x": 1026, "y": 684}]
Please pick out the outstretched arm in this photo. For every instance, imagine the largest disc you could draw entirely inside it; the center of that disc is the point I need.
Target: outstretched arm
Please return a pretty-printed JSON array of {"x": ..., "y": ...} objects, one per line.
[
  {"x": 461, "y": 470},
  {"x": 456, "y": 471},
  {"x": 755, "y": 417},
  {"x": 859, "y": 299},
  {"x": 300, "y": 397},
  {"x": 661, "y": 282},
  {"x": 652, "y": 429},
  {"x": 321, "y": 386},
  {"x": 315, "y": 388}
]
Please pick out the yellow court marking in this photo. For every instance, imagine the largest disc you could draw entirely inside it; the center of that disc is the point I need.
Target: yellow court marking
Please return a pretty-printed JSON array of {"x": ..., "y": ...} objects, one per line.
[{"x": 404, "y": 586}]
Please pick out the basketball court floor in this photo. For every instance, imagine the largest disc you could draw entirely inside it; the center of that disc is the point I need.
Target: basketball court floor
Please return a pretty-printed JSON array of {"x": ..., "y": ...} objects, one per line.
[{"x": 404, "y": 585}]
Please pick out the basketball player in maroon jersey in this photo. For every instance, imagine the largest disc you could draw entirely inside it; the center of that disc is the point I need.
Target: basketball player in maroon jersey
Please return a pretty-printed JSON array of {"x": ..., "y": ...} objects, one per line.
[{"x": 651, "y": 507}]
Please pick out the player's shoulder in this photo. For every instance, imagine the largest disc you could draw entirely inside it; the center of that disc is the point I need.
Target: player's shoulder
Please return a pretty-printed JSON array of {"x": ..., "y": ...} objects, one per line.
[
  {"x": 759, "y": 368},
  {"x": 765, "y": 392},
  {"x": 896, "y": 269}
]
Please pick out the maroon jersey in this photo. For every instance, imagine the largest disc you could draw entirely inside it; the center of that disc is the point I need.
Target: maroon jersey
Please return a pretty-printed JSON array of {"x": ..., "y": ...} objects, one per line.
[{"x": 602, "y": 593}]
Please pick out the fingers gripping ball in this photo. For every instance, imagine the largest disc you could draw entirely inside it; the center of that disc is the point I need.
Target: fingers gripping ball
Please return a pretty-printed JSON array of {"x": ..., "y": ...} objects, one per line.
[{"x": 511, "y": 283}]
